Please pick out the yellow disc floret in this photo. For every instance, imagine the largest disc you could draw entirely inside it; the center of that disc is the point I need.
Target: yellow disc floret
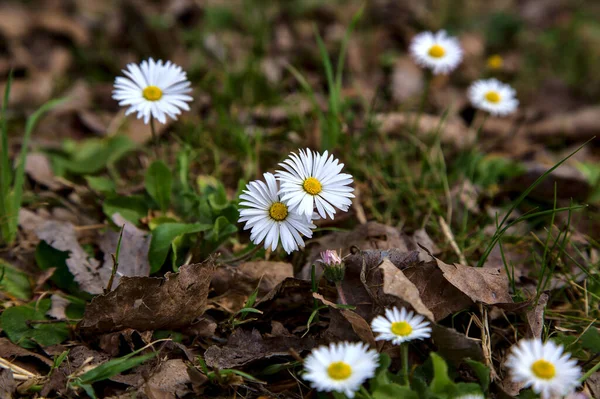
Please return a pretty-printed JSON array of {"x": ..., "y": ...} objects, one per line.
[
  {"x": 401, "y": 328},
  {"x": 312, "y": 186},
  {"x": 436, "y": 51},
  {"x": 152, "y": 93},
  {"x": 493, "y": 96},
  {"x": 339, "y": 371},
  {"x": 495, "y": 62},
  {"x": 543, "y": 369},
  {"x": 278, "y": 211}
]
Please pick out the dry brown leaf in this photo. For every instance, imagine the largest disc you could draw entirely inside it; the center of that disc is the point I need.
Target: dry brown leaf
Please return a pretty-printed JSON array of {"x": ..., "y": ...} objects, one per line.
[
  {"x": 244, "y": 347},
  {"x": 133, "y": 256},
  {"x": 397, "y": 284},
  {"x": 169, "y": 380},
  {"x": 150, "y": 303},
  {"x": 8, "y": 385},
  {"x": 535, "y": 318},
  {"x": 407, "y": 80},
  {"x": 58, "y": 308},
  {"x": 454, "y": 346},
  {"x": 86, "y": 270},
  {"x": 38, "y": 168},
  {"x": 488, "y": 285}
]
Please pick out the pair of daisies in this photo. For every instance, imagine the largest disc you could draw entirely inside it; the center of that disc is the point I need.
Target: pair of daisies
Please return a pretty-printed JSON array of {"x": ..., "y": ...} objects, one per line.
[
  {"x": 282, "y": 207},
  {"x": 442, "y": 54},
  {"x": 343, "y": 367}
]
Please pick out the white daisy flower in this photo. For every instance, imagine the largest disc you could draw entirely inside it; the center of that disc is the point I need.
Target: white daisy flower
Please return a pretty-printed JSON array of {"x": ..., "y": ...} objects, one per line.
[
  {"x": 341, "y": 367},
  {"x": 543, "y": 367},
  {"x": 400, "y": 326},
  {"x": 270, "y": 219},
  {"x": 314, "y": 179},
  {"x": 153, "y": 89},
  {"x": 493, "y": 96},
  {"x": 437, "y": 51}
]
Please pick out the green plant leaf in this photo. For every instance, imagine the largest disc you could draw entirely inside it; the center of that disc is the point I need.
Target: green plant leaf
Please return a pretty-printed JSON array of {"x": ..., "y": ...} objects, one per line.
[
  {"x": 159, "y": 183},
  {"x": 441, "y": 382},
  {"x": 132, "y": 208},
  {"x": 93, "y": 155},
  {"x": 381, "y": 374},
  {"x": 114, "y": 367},
  {"x": 394, "y": 391},
  {"x": 591, "y": 340},
  {"x": 101, "y": 184},
  {"x": 14, "y": 322},
  {"x": 14, "y": 282},
  {"x": 47, "y": 257},
  {"x": 163, "y": 236},
  {"x": 482, "y": 372}
]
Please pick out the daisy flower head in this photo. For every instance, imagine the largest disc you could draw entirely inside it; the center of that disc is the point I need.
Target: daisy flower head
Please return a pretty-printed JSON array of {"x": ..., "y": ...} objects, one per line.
[
  {"x": 493, "y": 96},
  {"x": 314, "y": 180},
  {"x": 543, "y": 367},
  {"x": 437, "y": 51},
  {"x": 341, "y": 367},
  {"x": 153, "y": 89},
  {"x": 270, "y": 218},
  {"x": 400, "y": 326}
]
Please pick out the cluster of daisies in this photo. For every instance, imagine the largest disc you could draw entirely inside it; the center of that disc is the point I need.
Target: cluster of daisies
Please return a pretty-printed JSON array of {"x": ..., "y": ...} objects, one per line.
[
  {"x": 283, "y": 206},
  {"x": 343, "y": 367},
  {"x": 442, "y": 54}
]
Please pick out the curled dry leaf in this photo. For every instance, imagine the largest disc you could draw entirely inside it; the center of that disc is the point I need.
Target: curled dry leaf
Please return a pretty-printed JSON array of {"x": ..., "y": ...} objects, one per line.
[
  {"x": 86, "y": 270},
  {"x": 244, "y": 347},
  {"x": 169, "y": 380},
  {"x": 133, "y": 255},
  {"x": 455, "y": 346},
  {"x": 488, "y": 285},
  {"x": 535, "y": 318},
  {"x": 150, "y": 303},
  {"x": 397, "y": 284},
  {"x": 38, "y": 168}
]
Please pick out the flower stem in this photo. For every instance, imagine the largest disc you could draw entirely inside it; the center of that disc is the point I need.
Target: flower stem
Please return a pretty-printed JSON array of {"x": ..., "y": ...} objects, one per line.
[
  {"x": 424, "y": 97},
  {"x": 154, "y": 137},
  {"x": 365, "y": 393},
  {"x": 340, "y": 291},
  {"x": 404, "y": 349},
  {"x": 590, "y": 372}
]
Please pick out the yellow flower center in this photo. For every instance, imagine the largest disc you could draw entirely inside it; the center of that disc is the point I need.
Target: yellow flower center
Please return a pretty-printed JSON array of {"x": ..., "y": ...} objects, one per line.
[
  {"x": 492, "y": 96},
  {"x": 436, "y": 51},
  {"x": 495, "y": 62},
  {"x": 152, "y": 93},
  {"x": 278, "y": 211},
  {"x": 543, "y": 369},
  {"x": 312, "y": 186},
  {"x": 339, "y": 371},
  {"x": 401, "y": 328}
]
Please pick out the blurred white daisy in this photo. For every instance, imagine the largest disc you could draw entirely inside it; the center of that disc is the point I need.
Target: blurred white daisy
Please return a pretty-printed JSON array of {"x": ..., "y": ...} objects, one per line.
[
  {"x": 314, "y": 180},
  {"x": 400, "y": 326},
  {"x": 493, "y": 96},
  {"x": 341, "y": 367},
  {"x": 543, "y": 367},
  {"x": 437, "y": 51},
  {"x": 153, "y": 89},
  {"x": 270, "y": 219}
]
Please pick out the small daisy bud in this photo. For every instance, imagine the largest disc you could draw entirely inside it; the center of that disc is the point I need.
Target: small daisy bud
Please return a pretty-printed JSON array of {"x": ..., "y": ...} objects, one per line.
[{"x": 333, "y": 266}]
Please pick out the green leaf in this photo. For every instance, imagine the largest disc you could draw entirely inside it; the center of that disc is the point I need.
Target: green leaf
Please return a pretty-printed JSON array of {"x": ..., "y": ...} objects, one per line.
[
  {"x": 14, "y": 282},
  {"x": 101, "y": 184},
  {"x": 482, "y": 372},
  {"x": 113, "y": 367},
  {"x": 221, "y": 230},
  {"x": 394, "y": 391},
  {"x": 47, "y": 257},
  {"x": 159, "y": 183},
  {"x": 381, "y": 374},
  {"x": 93, "y": 155},
  {"x": 14, "y": 322},
  {"x": 163, "y": 236},
  {"x": 441, "y": 382},
  {"x": 591, "y": 340},
  {"x": 132, "y": 208}
]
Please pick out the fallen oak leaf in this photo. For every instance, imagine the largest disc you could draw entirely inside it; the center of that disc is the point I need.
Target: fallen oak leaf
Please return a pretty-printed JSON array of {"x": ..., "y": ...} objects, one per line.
[
  {"x": 488, "y": 285},
  {"x": 395, "y": 283},
  {"x": 150, "y": 303}
]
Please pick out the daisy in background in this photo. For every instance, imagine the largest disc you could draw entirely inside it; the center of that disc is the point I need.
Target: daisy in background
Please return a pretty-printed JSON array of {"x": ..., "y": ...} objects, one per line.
[
  {"x": 543, "y": 367},
  {"x": 314, "y": 180},
  {"x": 493, "y": 96},
  {"x": 399, "y": 326},
  {"x": 341, "y": 367},
  {"x": 437, "y": 51},
  {"x": 153, "y": 90},
  {"x": 270, "y": 218}
]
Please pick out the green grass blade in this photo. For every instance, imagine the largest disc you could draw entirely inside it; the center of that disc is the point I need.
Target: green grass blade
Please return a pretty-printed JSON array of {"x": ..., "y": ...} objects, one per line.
[
  {"x": 5, "y": 170},
  {"x": 341, "y": 60},
  {"x": 333, "y": 100},
  {"x": 20, "y": 172},
  {"x": 523, "y": 195}
]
